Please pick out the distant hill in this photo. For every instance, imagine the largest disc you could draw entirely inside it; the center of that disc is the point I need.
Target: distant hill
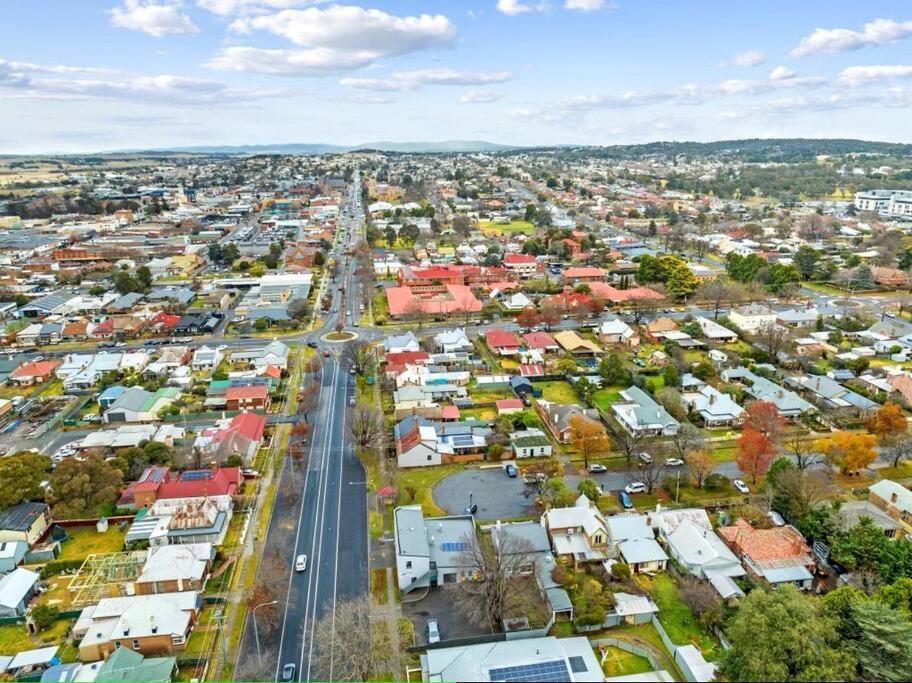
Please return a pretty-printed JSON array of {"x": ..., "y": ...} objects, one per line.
[{"x": 447, "y": 146}]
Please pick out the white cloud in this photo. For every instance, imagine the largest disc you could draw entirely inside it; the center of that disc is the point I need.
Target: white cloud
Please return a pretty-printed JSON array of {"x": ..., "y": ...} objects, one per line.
[
  {"x": 352, "y": 28},
  {"x": 304, "y": 62},
  {"x": 877, "y": 32},
  {"x": 859, "y": 75},
  {"x": 781, "y": 73},
  {"x": 747, "y": 58},
  {"x": 479, "y": 96},
  {"x": 584, "y": 5},
  {"x": 156, "y": 19},
  {"x": 229, "y": 7},
  {"x": 514, "y": 7},
  {"x": 28, "y": 67},
  {"x": 409, "y": 80}
]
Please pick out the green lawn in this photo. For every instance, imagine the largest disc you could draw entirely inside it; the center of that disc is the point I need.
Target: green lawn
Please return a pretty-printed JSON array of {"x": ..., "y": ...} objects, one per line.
[
  {"x": 676, "y": 618},
  {"x": 423, "y": 480},
  {"x": 490, "y": 395},
  {"x": 85, "y": 541},
  {"x": 606, "y": 396},
  {"x": 492, "y": 228},
  {"x": 558, "y": 391},
  {"x": 14, "y": 638},
  {"x": 619, "y": 662},
  {"x": 655, "y": 382}
]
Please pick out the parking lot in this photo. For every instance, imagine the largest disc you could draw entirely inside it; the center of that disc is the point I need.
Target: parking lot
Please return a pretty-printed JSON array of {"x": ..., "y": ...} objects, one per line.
[{"x": 439, "y": 604}]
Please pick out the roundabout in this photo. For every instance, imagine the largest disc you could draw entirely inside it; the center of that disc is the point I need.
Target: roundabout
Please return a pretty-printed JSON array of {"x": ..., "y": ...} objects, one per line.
[{"x": 339, "y": 337}]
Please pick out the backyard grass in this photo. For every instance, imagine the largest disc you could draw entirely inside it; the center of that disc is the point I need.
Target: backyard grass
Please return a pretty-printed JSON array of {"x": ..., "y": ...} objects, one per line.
[
  {"x": 423, "y": 480},
  {"x": 618, "y": 662},
  {"x": 489, "y": 395},
  {"x": 492, "y": 228},
  {"x": 58, "y": 593},
  {"x": 557, "y": 391},
  {"x": 606, "y": 396},
  {"x": 676, "y": 618},
  {"x": 903, "y": 471},
  {"x": 85, "y": 540},
  {"x": 15, "y": 638},
  {"x": 478, "y": 413},
  {"x": 655, "y": 382}
]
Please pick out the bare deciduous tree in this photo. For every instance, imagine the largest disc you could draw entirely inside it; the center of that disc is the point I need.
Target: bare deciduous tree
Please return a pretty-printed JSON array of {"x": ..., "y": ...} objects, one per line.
[
  {"x": 348, "y": 646},
  {"x": 773, "y": 338},
  {"x": 651, "y": 472},
  {"x": 629, "y": 444},
  {"x": 801, "y": 449},
  {"x": 358, "y": 355},
  {"x": 368, "y": 427},
  {"x": 258, "y": 668},
  {"x": 493, "y": 593},
  {"x": 687, "y": 438}
]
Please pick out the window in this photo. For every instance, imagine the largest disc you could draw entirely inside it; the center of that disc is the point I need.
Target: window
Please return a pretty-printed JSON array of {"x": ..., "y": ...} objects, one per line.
[
  {"x": 408, "y": 564},
  {"x": 135, "y": 644},
  {"x": 429, "y": 457},
  {"x": 116, "y": 644}
]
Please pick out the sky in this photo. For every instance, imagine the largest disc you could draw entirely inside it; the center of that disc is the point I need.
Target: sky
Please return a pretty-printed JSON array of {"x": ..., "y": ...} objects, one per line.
[{"x": 95, "y": 75}]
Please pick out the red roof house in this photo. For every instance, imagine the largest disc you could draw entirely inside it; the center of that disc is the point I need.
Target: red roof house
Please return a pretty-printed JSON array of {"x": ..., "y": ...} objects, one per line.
[
  {"x": 245, "y": 397},
  {"x": 501, "y": 341},
  {"x": 33, "y": 372},
  {"x": 201, "y": 483},
  {"x": 540, "y": 340}
]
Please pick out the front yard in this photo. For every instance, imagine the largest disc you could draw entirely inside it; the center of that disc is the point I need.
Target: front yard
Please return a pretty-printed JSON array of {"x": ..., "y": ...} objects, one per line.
[{"x": 415, "y": 484}]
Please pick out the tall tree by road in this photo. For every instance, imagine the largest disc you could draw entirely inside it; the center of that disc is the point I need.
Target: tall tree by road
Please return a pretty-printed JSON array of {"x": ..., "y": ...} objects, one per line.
[
  {"x": 348, "y": 645},
  {"x": 368, "y": 428},
  {"x": 588, "y": 437}
]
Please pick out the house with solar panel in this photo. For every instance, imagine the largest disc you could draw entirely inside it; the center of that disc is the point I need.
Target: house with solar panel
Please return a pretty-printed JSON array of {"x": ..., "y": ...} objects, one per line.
[
  {"x": 429, "y": 550},
  {"x": 541, "y": 659}
]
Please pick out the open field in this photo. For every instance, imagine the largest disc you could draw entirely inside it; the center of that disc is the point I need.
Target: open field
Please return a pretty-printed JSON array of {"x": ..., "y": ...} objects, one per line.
[{"x": 492, "y": 228}]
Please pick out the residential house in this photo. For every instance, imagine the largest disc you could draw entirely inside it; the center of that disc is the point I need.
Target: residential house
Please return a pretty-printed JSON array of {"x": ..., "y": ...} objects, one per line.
[
  {"x": 521, "y": 265},
  {"x": 587, "y": 274},
  {"x": 125, "y": 665},
  {"x": 517, "y": 302},
  {"x": 33, "y": 372},
  {"x": 545, "y": 658},
  {"x": 508, "y": 406},
  {"x": 830, "y": 396},
  {"x": 752, "y": 317},
  {"x": 789, "y": 404},
  {"x": 802, "y": 316},
  {"x": 175, "y": 568},
  {"x": 402, "y": 342},
  {"x": 576, "y": 345},
  {"x": 853, "y": 511},
  {"x": 715, "y": 332},
  {"x": 556, "y": 417},
  {"x": 152, "y": 625},
  {"x": 778, "y": 555},
  {"x": 639, "y": 413},
  {"x": 274, "y": 353},
  {"x": 12, "y": 553},
  {"x": 25, "y": 522},
  {"x": 206, "y": 358},
  {"x": 636, "y": 543},
  {"x": 655, "y": 330},
  {"x": 452, "y": 341},
  {"x": 138, "y": 405},
  {"x": 616, "y": 331},
  {"x": 429, "y": 552},
  {"x": 715, "y": 408},
  {"x": 894, "y": 499},
  {"x": 580, "y": 533},
  {"x": 530, "y": 443},
  {"x": 247, "y": 397},
  {"x": 502, "y": 342},
  {"x": 239, "y": 435},
  {"x": 690, "y": 540},
  {"x": 420, "y": 442},
  {"x": 16, "y": 591},
  {"x": 541, "y": 341}
]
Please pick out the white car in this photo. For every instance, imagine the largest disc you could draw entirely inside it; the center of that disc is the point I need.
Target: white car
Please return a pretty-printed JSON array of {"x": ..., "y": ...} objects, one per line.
[
  {"x": 673, "y": 462},
  {"x": 645, "y": 458},
  {"x": 433, "y": 631},
  {"x": 635, "y": 487},
  {"x": 301, "y": 563},
  {"x": 596, "y": 468},
  {"x": 741, "y": 486}
]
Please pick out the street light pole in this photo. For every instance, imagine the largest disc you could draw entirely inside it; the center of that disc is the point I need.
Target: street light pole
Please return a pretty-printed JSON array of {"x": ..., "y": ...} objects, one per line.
[{"x": 256, "y": 632}]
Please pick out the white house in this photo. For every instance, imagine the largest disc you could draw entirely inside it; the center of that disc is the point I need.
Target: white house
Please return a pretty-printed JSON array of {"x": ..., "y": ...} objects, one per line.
[
  {"x": 752, "y": 317},
  {"x": 691, "y": 541},
  {"x": 640, "y": 414},
  {"x": 616, "y": 331},
  {"x": 428, "y": 551},
  {"x": 452, "y": 341},
  {"x": 206, "y": 358},
  {"x": 530, "y": 443}
]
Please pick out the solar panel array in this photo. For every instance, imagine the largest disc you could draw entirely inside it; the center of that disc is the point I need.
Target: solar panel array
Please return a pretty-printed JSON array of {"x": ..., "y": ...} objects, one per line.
[
  {"x": 196, "y": 475},
  {"x": 462, "y": 440},
  {"x": 578, "y": 665},
  {"x": 452, "y": 546},
  {"x": 539, "y": 672}
]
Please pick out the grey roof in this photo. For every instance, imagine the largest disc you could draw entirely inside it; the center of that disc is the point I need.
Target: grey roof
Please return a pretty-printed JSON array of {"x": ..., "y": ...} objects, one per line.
[
  {"x": 411, "y": 537},
  {"x": 125, "y": 301},
  {"x": 49, "y": 302},
  {"x": 183, "y": 295},
  {"x": 533, "y": 532},
  {"x": 646, "y": 410},
  {"x": 132, "y": 399},
  {"x": 20, "y": 517}
]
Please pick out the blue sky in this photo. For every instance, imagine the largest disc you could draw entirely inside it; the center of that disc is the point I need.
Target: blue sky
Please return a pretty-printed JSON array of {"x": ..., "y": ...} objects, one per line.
[{"x": 92, "y": 75}]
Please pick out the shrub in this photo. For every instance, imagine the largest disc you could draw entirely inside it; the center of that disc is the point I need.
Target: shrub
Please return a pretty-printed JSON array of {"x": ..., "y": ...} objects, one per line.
[
  {"x": 621, "y": 571},
  {"x": 44, "y": 616},
  {"x": 716, "y": 482}
]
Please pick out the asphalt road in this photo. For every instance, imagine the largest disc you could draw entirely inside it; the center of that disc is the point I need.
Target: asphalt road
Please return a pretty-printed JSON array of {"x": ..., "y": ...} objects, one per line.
[{"x": 323, "y": 515}]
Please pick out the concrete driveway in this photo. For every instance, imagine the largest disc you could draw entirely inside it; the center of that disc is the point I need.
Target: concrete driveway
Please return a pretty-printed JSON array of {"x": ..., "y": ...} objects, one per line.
[
  {"x": 497, "y": 495},
  {"x": 439, "y": 604}
]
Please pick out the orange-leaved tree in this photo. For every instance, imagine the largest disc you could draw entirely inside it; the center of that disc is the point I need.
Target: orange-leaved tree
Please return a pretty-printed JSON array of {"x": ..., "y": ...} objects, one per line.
[
  {"x": 850, "y": 451},
  {"x": 588, "y": 436},
  {"x": 754, "y": 453},
  {"x": 764, "y": 417}
]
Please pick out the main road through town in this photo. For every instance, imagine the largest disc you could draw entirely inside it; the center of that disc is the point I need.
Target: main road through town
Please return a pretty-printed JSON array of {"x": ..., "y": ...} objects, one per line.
[{"x": 323, "y": 514}]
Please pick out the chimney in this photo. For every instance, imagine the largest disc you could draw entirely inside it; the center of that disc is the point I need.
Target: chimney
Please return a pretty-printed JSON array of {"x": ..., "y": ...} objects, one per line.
[
  {"x": 894, "y": 497},
  {"x": 152, "y": 625},
  {"x": 432, "y": 541},
  {"x": 126, "y": 628}
]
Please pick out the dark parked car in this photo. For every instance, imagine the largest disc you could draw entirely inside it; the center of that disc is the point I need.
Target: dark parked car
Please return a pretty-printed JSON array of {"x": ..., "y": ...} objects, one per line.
[{"x": 511, "y": 470}]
